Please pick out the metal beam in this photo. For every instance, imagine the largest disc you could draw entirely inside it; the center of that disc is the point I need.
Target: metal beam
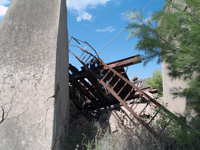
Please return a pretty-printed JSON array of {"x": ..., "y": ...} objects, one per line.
[{"x": 116, "y": 64}]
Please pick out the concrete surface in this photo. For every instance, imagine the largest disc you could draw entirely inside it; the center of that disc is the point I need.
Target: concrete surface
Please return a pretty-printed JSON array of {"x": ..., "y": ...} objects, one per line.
[
  {"x": 34, "y": 77},
  {"x": 175, "y": 105}
]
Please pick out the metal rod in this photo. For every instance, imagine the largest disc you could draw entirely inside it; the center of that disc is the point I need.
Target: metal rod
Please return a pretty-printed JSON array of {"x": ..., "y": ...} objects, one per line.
[
  {"x": 116, "y": 83},
  {"x": 143, "y": 109},
  {"x": 153, "y": 117},
  {"x": 111, "y": 78},
  {"x": 85, "y": 56},
  {"x": 87, "y": 59},
  {"x": 128, "y": 94},
  {"x": 105, "y": 75},
  {"x": 81, "y": 55},
  {"x": 87, "y": 44},
  {"x": 121, "y": 89}
]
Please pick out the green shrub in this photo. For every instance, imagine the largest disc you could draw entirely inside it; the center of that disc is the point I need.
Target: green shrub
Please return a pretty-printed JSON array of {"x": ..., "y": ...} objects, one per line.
[{"x": 156, "y": 82}]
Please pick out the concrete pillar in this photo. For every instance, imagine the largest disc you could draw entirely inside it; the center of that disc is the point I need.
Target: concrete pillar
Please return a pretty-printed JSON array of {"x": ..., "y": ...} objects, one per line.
[
  {"x": 176, "y": 105},
  {"x": 34, "y": 97}
]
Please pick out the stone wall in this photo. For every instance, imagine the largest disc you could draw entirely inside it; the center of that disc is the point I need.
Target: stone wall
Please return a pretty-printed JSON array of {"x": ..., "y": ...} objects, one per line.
[{"x": 34, "y": 100}]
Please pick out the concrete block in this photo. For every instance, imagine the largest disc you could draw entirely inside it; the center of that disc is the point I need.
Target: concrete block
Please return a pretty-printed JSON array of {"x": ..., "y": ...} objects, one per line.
[
  {"x": 175, "y": 105},
  {"x": 34, "y": 96}
]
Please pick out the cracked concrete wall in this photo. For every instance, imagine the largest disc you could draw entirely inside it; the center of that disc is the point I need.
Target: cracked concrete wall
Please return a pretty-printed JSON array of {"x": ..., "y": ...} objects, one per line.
[{"x": 34, "y": 100}]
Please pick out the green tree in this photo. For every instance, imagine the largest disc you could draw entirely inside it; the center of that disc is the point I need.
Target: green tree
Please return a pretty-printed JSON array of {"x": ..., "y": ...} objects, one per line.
[
  {"x": 173, "y": 35},
  {"x": 156, "y": 82},
  {"x": 176, "y": 40}
]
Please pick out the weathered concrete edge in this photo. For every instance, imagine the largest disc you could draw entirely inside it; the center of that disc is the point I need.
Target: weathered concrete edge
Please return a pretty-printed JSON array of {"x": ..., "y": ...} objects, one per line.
[{"x": 62, "y": 104}]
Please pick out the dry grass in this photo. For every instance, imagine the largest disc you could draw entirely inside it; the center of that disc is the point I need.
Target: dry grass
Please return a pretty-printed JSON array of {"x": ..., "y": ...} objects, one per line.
[{"x": 96, "y": 135}]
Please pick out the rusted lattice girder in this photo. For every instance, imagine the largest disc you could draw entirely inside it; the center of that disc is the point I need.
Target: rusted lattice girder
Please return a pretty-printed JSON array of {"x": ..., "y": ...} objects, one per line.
[
  {"x": 102, "y": 85},
  {"x": 94, "y": 89}
]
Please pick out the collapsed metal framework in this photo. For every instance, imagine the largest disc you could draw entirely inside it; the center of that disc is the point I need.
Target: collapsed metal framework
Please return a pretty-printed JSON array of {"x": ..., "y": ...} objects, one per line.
[{"x": 100, "y": 85}]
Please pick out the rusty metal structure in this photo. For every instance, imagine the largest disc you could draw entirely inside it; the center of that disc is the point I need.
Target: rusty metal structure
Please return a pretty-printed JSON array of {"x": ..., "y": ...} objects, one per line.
[{"x": 100, "y": 85}]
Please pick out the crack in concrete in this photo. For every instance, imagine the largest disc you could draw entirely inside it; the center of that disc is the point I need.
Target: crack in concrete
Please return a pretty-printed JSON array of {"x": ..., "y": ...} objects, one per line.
[
  {"x": 21, "y": 114},
  {"x": 2, "y": 117},
  {"x": 11, "y": 102},
  {"x": 27, "y": 104},
  {"x": 37, "y": 81},
  {"x": 35, "y": 86},
  {"x": 4, "y": 78},
  {"x": 46, "y": 109}
]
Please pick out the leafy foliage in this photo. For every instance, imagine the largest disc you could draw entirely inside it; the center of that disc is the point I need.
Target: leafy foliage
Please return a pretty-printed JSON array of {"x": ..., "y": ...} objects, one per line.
[
  {"x": 156, "y": 82},
  {"x": 177, "y": 36},
  {"x": 173, "y": 36},
  {"x": 176, "y": 40},
  {"x": 186, "y": 138}
]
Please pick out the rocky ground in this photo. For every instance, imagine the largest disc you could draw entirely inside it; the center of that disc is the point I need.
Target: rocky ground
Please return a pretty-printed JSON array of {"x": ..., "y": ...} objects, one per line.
[{"x": 111, "y": 130}]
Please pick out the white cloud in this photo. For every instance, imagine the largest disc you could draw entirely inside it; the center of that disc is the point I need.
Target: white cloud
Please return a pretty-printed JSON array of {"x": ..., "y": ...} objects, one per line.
[
  {"x": 3, "y": 10},
  {"x": 108, "y": 29},
  {"x": 84, "y": 16},
  {"x": 79, "y": 7}
]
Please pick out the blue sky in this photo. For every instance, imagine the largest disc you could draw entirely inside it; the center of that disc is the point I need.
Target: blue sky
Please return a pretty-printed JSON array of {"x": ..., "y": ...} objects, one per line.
[{"x": 98, "y": 21}]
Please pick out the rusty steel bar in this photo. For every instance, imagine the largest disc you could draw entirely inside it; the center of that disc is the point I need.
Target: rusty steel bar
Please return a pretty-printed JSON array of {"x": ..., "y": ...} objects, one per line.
[
  {"x": 125, "y": 62},
  {"x": 116, "y": 83},
  {"x": 111, "y": 78},
  {"x": 153, "y": 118},
  {"x": 82, "y": 49},
  {"x": 143, "y": 109},
  {"x": 81, "y": 55},
  {"x": 116, "y": 64},
  {"x": 128, "y": 94},
  {"x": 106, "y": 75},
  {"x": 121, "y": 89},
  {"x": 87, "y": 44}
]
